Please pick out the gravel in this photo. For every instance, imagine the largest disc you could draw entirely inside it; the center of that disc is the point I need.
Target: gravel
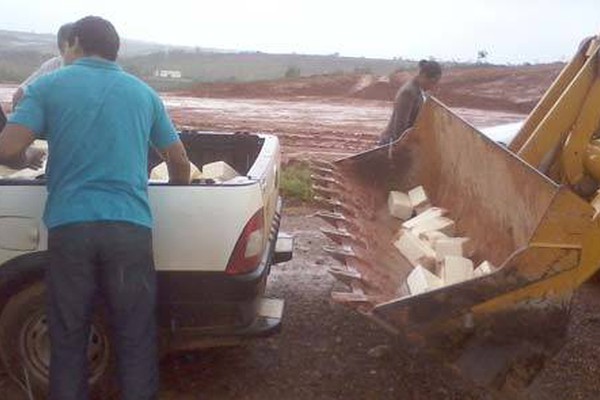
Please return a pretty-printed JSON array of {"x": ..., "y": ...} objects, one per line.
[{"x": 326, "y": 351}]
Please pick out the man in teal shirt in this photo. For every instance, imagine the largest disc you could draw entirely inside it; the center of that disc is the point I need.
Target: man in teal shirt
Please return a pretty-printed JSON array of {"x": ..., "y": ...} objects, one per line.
[{"x": 99, "y": 123}]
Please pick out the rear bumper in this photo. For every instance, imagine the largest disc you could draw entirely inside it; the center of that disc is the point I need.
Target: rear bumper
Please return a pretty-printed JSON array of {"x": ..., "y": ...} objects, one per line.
[
  {"x": 213, "y": 307},
  {"x": 215, "y": 304}
]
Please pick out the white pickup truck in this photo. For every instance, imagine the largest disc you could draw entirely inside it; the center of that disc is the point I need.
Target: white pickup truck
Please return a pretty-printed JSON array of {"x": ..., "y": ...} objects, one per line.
[{"x": 214, "y": 244}]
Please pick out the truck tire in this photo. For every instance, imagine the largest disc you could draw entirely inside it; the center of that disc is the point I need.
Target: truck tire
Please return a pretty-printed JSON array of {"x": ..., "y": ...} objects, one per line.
[{"x": 25, "y": 345}]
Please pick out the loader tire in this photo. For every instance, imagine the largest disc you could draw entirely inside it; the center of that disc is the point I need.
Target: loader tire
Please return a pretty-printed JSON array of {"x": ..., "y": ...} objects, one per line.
[{"x": 25, "y": 345}]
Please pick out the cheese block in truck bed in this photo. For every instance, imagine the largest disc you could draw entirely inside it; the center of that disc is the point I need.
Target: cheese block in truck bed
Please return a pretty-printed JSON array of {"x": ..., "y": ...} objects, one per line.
[{"x": 219, "y": 170}]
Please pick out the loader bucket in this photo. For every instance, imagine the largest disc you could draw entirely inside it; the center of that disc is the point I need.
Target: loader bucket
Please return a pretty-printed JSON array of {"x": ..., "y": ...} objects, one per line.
[{"x": 498, "y": 328}]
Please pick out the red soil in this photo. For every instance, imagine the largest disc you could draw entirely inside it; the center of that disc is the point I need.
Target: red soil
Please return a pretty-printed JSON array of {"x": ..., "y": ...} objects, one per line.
[{"x": 505, "y": 88}]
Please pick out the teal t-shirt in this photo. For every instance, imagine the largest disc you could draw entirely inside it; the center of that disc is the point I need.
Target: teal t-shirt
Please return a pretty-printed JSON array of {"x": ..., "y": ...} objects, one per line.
[{"x": 99, "y": 122}]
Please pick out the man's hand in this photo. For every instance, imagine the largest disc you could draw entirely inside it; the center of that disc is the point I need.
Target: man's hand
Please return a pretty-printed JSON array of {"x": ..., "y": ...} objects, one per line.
[
  {"x": 177, "y": 163},
  {"x": 14, "y": 141},
  {"x": 34, "y": 157}
]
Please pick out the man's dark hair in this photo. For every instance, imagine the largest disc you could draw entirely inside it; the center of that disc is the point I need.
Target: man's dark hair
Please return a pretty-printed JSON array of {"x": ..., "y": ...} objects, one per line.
[
  {"x": 63, "y": 35},
  {"x": 97, "y": 37},
  {"x": 431, "y": 69}
]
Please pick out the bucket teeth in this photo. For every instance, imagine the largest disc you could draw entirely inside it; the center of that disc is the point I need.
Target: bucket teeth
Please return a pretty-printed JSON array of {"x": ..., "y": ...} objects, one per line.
[
  {"x": 339, "y": 220},
  {"x": 326, "y": 202},
  {"x": 332, "y": 217},
  {"x": 322, "y": 171},
  {"x": 325, "y": 180},
  {"x": 325, "y": 191},
  {"x": 342, "y": 236},
  {"x": 322, "y": 164},
  {"x": 345, "y": 276},
  {"x": 333, "y": 205},
  {"x": 337, "y": 235},
  {"x": 350, "y": 298},
  {"x": 340, "y": 253}
]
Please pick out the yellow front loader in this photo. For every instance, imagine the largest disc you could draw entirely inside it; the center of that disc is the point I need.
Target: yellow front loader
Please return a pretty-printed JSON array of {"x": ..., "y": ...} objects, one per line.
[{"x": 527, "y": 209}]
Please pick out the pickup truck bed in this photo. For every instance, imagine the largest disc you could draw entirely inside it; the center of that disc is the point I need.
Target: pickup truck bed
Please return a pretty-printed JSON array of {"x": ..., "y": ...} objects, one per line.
[{"x": 214, "y": 244}]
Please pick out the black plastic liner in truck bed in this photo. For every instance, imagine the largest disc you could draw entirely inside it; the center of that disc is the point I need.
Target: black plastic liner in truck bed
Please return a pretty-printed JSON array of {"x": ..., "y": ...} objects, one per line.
[{"x": 239, "y": 150}]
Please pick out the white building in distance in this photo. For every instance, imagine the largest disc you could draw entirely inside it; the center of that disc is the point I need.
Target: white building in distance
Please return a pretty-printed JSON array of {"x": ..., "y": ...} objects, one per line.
[{"x": 166, "y": 73}]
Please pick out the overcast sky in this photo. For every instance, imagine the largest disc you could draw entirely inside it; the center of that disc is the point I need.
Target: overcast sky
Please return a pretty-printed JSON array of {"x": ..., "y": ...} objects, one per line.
[{"x": 511, "y": 31}]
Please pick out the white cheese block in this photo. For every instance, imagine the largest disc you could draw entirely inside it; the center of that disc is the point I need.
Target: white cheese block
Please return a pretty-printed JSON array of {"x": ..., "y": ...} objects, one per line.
[
  {"x": 433, "y": 212},
  {"x": 449, "y": 246},
  {"x": 419, "y": 200},
  {"x": 441, "y": 224},
  {"x": 27, "y": 173},
  {"x": 421, "y": 280},
  {"x": 415, "y": 250},
  {"x": 483, "y": 269},
  {"x": 431, "y": 237},
  {"x": 399, "y": 205},
  {"x": 160, "y": 173},
  {"x": 219, "y": 171},
  {"x": 456, "y": 269},
  {"x": 5, "y": 171}
]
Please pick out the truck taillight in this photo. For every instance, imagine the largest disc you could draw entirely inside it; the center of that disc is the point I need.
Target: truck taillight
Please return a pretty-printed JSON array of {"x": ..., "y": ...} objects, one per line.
[{"x": 248, "y": 250}]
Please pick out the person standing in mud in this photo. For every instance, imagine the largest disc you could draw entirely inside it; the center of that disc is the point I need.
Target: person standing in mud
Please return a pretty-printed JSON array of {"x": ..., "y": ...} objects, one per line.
[{"x": 409, "y": 100}]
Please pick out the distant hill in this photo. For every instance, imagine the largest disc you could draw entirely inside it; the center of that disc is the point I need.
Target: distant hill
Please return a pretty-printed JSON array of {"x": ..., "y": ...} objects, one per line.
[
  {"x": 253, "y": 66},
  {"x": 22, "y": 52},
  {"x": 45, "y": 43}
]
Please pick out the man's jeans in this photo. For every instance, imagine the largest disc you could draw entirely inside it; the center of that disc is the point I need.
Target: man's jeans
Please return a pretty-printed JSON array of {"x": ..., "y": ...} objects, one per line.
[{"x": 114, "y": 260}]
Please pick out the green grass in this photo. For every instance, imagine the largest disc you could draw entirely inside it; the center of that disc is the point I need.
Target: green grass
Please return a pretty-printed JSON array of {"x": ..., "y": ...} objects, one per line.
[{"x": 296, "y": 183}]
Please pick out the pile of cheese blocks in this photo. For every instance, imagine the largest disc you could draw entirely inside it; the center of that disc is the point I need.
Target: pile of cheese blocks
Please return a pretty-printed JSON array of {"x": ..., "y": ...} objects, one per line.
[
  {"x": 427, "y": 240},
  {"x": 218, "y": 171}
]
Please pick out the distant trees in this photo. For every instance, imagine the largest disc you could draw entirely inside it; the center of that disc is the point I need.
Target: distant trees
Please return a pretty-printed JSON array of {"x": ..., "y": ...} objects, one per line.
[{"x": 482, "y": 56}]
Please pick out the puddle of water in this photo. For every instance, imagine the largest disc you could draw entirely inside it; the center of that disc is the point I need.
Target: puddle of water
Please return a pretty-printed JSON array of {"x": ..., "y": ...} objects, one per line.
[{"x": 332, "y": 113}]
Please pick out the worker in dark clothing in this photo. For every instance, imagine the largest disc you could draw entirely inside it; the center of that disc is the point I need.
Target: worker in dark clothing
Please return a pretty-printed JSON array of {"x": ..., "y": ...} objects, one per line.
[
  {"x": 409, "y": 100},
  {"x": 99, "y": 122},
  {"x": 2, "y": 119}
]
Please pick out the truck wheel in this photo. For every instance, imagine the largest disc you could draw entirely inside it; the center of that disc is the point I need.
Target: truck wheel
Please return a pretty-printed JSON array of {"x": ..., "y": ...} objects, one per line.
[{"x": 25, "y": 344}]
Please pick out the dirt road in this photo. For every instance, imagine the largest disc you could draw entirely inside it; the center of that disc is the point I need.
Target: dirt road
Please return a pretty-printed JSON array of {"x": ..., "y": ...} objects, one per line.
[{"x": 327, "y": 352}]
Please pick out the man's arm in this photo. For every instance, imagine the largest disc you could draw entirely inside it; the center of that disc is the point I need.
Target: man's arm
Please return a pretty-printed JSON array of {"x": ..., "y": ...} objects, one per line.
[
  {"x": 14, "y": 148},
  {"x": 17, "y": 96},
  {"x": 48, "y": 66},
  {"x": 178, "y": 164},
  {"x": 165, "y": 140}
]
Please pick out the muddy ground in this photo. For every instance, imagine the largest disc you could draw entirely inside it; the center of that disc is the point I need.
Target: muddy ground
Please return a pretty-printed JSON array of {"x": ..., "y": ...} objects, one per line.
[
  {"x": 324, "y": 350},
  {"x": 328, "y": 352},
  {"x": 307, "y": 126}
]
